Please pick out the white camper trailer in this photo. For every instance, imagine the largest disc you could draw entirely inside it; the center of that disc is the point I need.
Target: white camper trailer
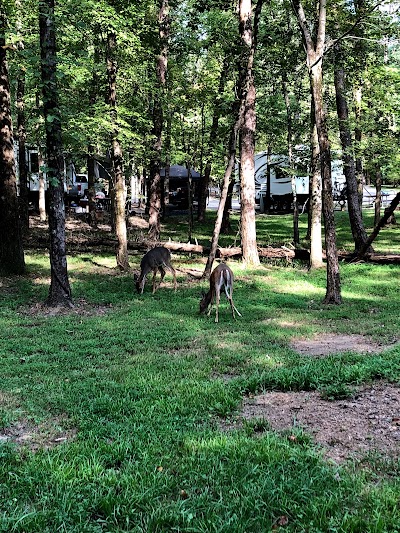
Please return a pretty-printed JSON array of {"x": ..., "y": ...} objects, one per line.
[{"x": 281, "y": 181}]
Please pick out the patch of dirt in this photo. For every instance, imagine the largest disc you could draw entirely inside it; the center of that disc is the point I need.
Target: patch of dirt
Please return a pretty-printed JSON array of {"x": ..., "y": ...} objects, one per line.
[
  {"x": 45, "y": 435},
  {"x": 81, "y": 308},
  {"x": 369, "y": 422},
  {"x": 330, "y": 343}
]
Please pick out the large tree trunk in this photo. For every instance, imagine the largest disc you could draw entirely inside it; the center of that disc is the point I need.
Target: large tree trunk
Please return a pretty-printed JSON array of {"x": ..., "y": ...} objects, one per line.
[
  {"x": 333, "y": 289},
  {"x": 22, "y": 163},
  {"x": 247, "y": 183},
  {"x": 116, "y": 159},
  {"x": 60, "y": 292},
  {"x": 355, "y": 213},
  {"x": 315, "y": 211},
  {"x": 11, "y": 252},
  {"x": 155, "y": 163}
]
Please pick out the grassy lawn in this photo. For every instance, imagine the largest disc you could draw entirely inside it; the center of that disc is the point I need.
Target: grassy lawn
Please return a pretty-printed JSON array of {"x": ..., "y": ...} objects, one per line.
[{"x": 137, "y": 388}]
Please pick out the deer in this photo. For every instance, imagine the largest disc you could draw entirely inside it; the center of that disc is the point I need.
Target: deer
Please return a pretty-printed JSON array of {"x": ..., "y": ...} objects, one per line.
[
  {"x": 156, "y": 259},
  {"x": 221, "y": 278}
]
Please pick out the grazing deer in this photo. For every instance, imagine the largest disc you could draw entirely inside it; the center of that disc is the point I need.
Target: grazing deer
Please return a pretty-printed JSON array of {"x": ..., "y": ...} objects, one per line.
[
  {"x": 221, "y": 278},
  {"x": 157, "y": 259}
]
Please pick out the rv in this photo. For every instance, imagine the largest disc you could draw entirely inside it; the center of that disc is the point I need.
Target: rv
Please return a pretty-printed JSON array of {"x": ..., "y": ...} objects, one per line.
[{"x": 280, "y": 173}]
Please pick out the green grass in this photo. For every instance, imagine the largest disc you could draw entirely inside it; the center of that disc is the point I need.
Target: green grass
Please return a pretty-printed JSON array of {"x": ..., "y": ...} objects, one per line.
[{"x": 140, "y": 379}]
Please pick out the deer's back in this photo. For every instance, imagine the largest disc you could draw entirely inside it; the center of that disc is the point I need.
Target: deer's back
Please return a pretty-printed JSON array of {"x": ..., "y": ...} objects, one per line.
[{"x": 156, "y": 257}]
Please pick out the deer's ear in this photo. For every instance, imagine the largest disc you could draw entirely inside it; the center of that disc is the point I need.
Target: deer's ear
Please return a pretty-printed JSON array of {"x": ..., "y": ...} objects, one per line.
[{"x": 135, "y": 276}]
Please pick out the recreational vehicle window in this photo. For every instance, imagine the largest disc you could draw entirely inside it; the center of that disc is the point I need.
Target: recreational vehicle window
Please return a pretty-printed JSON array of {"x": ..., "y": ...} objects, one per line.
[{"x": 34, "y": 162}]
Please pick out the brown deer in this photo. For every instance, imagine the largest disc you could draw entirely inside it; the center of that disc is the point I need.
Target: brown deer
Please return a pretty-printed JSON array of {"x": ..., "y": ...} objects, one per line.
[
  {"x": 156, "y": 259},
  {"x": 221, "y": 278}
]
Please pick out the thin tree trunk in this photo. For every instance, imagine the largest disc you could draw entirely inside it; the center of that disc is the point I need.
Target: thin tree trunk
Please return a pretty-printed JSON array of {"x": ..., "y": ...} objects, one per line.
[
  {"x": 117, "y": 159},
  {"x": 22, "y": 163},
  {"x": 296, "y": 235},
  {"x": 378, "y": 198},
  {"x": 155, "y": 163},
  {"x": 388, "y": 213},
  {"x": 226, "y": 221},
  {"x": 12, "y": 259},
  {"x": 60, "y": 291},
  {"x": 247, "y": 183},
  {"x": 205, "y": 182},
  {"x": 268, "y": 187},
  {"x": 355, "y": 214},
  {"x": 224, "y": 193},
  {"x": 358, "y": 138},
  {"x": 42, "y": 188}
]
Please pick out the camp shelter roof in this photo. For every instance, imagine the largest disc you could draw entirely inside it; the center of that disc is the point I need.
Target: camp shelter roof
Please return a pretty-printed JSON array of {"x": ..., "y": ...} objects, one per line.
[{"x": 180, "y": 172}]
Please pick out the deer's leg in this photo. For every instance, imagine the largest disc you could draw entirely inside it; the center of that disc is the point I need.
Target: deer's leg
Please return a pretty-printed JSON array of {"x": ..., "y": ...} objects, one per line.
[
  {"x": 154, "y": 280},
  {"x": 162, "y": 272},
  {"x": 173, "y": 272},
  {"x": 217, "y": 296}
]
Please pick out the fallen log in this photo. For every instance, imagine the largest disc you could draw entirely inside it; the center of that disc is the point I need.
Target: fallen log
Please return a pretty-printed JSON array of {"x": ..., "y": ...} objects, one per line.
[{"x": 82, "y": 243}]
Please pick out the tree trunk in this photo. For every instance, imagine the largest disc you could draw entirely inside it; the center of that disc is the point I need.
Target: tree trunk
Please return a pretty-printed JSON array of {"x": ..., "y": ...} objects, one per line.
[
  {"x": 226, "y": 222},
  {"x": 333, "y": 289},
  {"x": 91, "y": 188},
  {"x": 296, "y": 235},
  {"x": 378, "y": 197},
  {"x": 155, "y": 163},
  {"x": 355, "y": 213},
  {"x": 205, "y": 182},
  {"x": 224, "y": 193},
  {"x": 12, "y": 259},
  {"x": 42, "y": 188},
  {"x": 267, "y": 205},
  {"x": 117, "y": 159},
  {"x": 315, "y": 211},
  {"x": 358, "y": 138},
  {"x": 388, "y": 213},
  {"x": 315, "y": 205},
  {"x": 315, "y": 53},
  {"x": 22, "y": 163},
  {"x": 60, "y": 291},
  {"x": 247, "y": 183}
]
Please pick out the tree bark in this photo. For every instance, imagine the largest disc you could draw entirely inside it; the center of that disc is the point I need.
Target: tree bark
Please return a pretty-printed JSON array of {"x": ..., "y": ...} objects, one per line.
[
  {"x": 12, "y": 259},
  {"x": 42, "y": 187},
  {"x": 60, "y": 291},
  {"x": 22, "y": 163},
  {"x": 355, "y": 213},
  {"x": 378, "y": 197},
  {"x": 315, "y": 211},
  {"x": 155, "y": 163},
  {"x": 205, "y": 182},
  {"x": 296, "y": 235},
  {"x": 116, "y": 158},
  {"x": 315, "y": 52},
  {"x": 247, "y": 183}
]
